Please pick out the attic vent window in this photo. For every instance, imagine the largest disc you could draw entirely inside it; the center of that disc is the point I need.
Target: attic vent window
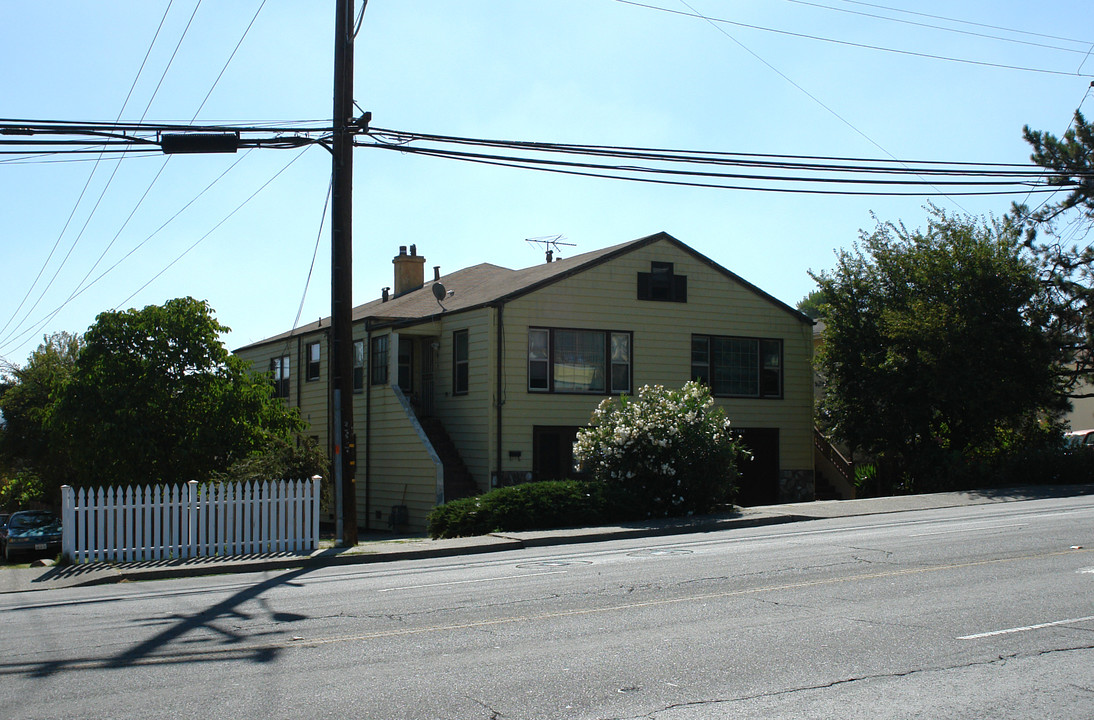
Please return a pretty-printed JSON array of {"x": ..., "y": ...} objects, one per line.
[{"x": 662, "y": 284}]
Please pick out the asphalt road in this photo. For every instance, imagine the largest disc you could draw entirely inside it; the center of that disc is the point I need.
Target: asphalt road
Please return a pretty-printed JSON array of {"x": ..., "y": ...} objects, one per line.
[{"x": 978, "y": 612}]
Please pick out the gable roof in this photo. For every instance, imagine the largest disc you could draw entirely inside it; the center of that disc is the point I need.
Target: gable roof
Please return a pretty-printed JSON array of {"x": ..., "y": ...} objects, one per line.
[{"x": 486, "y": 284}]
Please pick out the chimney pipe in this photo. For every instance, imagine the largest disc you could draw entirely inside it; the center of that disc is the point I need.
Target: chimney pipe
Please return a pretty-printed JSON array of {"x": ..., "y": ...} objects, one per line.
[
  {"x": 384, "y": 294},
  {"x": 409, "y": 270},
  {"x": 436, "y": 273}
]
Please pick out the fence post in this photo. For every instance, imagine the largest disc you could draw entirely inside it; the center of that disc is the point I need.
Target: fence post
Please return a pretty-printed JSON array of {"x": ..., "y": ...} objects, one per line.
[
  {"x": 316, "y": 485},
  {"x": 104, "y": 525},
  {"x": 191, "y": 518},
  {"x": 68, "y": 522}
]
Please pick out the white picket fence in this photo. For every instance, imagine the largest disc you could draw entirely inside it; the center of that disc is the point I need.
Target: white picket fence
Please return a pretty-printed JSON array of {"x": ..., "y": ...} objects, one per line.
[{"x": 187, "y": 521}]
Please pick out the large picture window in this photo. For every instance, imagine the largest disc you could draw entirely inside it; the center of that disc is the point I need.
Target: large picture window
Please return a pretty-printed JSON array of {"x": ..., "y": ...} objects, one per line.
[
  {"x": 279, "y": 369},
  {"x": 579, "y": 361},
  {"x": 738, "y": 367}
]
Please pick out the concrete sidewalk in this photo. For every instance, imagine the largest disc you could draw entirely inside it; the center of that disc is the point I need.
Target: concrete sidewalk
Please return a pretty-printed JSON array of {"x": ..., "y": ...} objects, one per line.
[{"x": 385, "y": 548}]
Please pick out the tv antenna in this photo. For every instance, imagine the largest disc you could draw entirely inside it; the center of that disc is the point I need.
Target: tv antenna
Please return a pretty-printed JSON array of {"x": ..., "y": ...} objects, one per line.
[{"x": 550, "y": 244}]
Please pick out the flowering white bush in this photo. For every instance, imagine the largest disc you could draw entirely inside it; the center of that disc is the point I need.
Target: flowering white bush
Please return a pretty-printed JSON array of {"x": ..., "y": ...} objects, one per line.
[{"x": 670, "y": 451}]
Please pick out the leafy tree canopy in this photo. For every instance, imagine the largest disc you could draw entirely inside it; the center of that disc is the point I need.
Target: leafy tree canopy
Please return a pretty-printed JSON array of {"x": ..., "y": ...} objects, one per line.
[
  {"x": 811, "y": 304},
  {"x": 27, "y": 397},
  {"x": 155, "y": 397},
  {"x": 935, "y": 342}
]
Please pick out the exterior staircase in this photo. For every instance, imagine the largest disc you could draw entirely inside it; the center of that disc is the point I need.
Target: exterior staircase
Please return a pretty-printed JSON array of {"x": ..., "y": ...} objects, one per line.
[
  {"x": 834, "y": 475},
  {"x": 458, "y": 482}
]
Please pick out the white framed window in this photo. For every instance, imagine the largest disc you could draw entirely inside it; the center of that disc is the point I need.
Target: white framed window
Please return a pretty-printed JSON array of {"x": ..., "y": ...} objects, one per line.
[{"x": 562, "y": 360}]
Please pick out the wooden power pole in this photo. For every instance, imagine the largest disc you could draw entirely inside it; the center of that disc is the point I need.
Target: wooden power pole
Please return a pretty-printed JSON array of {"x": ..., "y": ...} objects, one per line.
[{"x": 341, "y": 359}]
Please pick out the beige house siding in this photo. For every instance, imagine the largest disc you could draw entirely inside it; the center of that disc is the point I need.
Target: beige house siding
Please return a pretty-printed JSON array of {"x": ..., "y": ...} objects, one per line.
[
  {"x": 605, "y": 298},
  {"x": 468, "y": 417},
  {"x": 404, "y": 469},
  {"x": 309, "y": 397},
  {"x": 397, "y": 466}
]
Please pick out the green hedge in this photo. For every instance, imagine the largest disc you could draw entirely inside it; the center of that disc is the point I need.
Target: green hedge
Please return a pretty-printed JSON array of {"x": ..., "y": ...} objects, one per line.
[{"x": 532, "y": 506}]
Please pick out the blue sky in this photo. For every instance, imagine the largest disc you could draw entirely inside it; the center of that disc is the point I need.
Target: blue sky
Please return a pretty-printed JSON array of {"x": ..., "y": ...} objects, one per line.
[{"x": 581, "y": 71}]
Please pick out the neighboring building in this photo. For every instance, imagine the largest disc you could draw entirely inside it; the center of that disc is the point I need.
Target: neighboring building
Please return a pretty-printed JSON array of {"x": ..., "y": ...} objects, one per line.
[{"x": 489, "y": 384}]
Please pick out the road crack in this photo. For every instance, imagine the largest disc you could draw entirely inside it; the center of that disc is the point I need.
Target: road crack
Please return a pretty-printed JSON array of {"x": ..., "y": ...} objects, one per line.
[{"x": 998, "y": 660}]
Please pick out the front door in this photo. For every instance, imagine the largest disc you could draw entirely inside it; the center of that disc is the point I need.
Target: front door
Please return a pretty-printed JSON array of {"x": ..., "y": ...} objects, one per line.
[
  {"x": 759, "y": 481},
  {"x": 553, "y": 452}
]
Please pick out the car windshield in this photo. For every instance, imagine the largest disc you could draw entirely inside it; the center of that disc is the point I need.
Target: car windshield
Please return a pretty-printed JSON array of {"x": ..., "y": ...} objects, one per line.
[{"x": 28, "y": 521}]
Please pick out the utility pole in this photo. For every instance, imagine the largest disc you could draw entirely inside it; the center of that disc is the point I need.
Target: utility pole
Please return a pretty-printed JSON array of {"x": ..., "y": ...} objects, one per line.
[{"x": 341, "y": 365}]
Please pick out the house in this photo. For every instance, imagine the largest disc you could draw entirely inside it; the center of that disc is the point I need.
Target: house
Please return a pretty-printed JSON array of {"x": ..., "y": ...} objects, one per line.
[{"x": 482, "y": 377}]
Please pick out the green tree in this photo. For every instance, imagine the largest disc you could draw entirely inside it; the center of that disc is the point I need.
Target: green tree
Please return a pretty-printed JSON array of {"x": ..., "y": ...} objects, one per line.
[
  {"x": 27, "y": 398},
  {"x": 1070, "y": 162},
  {"x": 155, "y": 397},
  {"x": 935, "y": 346},
  {"x": 1067, "y": 266},
  {"x": 812, "y": 304}
]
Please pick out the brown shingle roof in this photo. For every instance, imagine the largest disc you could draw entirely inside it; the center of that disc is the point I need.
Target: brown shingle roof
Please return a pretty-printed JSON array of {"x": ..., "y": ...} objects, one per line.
[{"x": 485, "y": 283}]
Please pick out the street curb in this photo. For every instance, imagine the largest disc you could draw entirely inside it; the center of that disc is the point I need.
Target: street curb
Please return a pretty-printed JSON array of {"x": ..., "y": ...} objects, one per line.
[
  {"x": 392, "y": 550},
  {"x": 573, "y": 537},
  {"x": 495, "y": 542}
]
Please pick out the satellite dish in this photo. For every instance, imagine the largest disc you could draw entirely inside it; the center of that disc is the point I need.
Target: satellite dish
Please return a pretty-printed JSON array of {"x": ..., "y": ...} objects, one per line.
[{"x": 439, "y": 291}]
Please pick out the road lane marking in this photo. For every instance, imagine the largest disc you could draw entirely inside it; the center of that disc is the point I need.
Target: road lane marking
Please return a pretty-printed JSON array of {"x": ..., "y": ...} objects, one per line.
[
  {"x": 1026, "y": 628},
  {"x": 968, "y": 529},
  {"x": 465, "y": 582},
  {"x": 577, "y": 612}
]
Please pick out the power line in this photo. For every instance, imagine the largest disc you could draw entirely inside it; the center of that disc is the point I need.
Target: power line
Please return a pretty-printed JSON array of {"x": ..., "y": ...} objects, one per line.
[
  {"x": 649, "y": 175},
  {"x": 941, "y": 27},
  {"x": 213, "y": 229},
  {"x": 807, "y": 162},
  {"x": 87, "y": 184},
  {"x": 5, "y": 341},
  {"x": 864, "y": 46},
  {"x": 964, "y": 22}
]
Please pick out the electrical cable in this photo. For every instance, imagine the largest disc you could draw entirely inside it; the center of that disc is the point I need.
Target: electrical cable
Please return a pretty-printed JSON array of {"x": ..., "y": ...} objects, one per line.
[
  {"x": 314, "y": 254},
  {"x": 938, "y": 27},
  {"x": 228, "y": 61},
  {"x": 963, "y": 22},
  {"x": 616, "y": 172},
  {"x": 91, "y": 175},
  {"x": 797, "y": 162},
  {"x": 214, "y": 228},
  {"x": 981, "y": 63},
  {"x": 5, "y": 341}
]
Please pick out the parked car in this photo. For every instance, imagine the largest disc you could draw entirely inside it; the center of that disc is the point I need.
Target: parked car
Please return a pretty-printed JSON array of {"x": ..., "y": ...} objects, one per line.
[
  {"x": 31, "y": 531},
  {"x": 1079, "y": 438}
]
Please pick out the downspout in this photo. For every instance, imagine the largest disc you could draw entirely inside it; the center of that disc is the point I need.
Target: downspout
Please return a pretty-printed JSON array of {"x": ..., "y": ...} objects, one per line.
[
  {"x": 499, "y": 400},
  {"x": 366, "y": 379},
  {"x": 299, "y": 367}
]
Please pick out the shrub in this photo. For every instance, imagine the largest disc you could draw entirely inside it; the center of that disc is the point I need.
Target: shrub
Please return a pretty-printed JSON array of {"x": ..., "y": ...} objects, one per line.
[
  {"x": 20, "y": 491},
  {"x": 532, "y": 506},
  {"x": 666, "y": 452}
]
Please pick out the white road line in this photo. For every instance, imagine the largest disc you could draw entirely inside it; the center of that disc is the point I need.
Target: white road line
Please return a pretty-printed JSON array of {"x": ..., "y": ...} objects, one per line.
[
  {"x": 1026, "y": 628},
  {"x": 968, "y": 529},
  {"x": 465, "y": 582}
]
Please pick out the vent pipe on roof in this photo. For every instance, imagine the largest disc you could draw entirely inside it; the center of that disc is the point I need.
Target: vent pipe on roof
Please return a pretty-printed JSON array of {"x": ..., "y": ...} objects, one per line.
[
  {"x": 436, "y": 273},
  {"x": 384, "y": 294}
]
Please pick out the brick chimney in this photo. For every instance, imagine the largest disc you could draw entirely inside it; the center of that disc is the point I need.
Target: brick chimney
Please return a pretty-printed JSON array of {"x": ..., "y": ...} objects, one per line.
[{"x": 409, "y": 270}]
